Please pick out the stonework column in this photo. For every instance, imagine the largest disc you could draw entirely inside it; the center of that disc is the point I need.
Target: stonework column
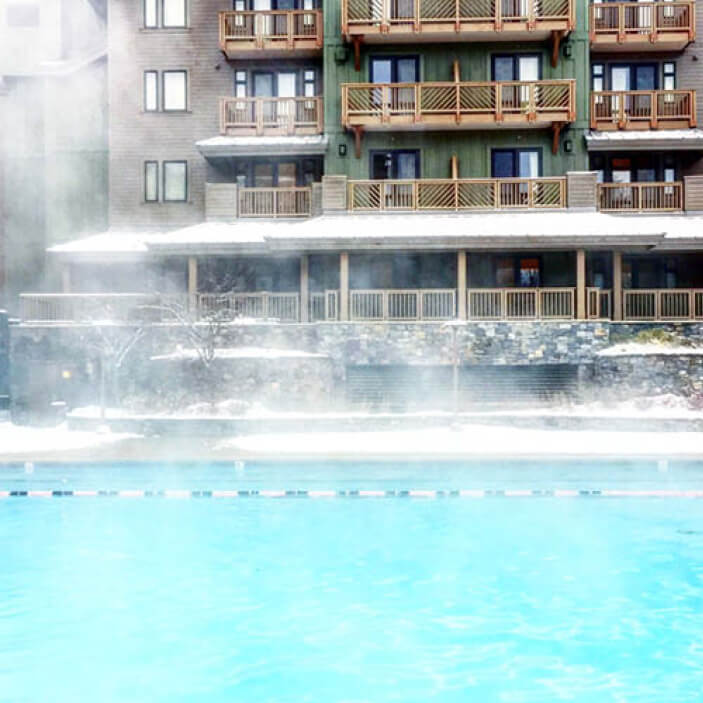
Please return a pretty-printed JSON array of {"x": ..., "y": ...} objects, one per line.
[
  {"x": 617, "y": 285},
  {"x": 461, "y": 284},
  {"x": 580, "y": 284},
  {"x": 304, "y": 288},
  {"x": 344, "y": 286}
]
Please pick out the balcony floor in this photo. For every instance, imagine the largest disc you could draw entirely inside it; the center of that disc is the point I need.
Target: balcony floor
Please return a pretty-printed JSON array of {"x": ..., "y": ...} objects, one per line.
[
  {"x": 639, "y": 42},
  {"x": 446, "y": 33}
]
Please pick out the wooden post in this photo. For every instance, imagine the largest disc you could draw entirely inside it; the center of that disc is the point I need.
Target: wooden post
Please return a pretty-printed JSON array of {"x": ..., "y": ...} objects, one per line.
[
  {"x": 580, "y": 284},
  {"x": 344, "y": 286},
  {"x": 192, "y": 282},
  {"x": 455, "y": 167},
  {"x": 461, "y": 284},
  {"x": 66, "y": 278},
  {"x": 617, "y": 286},
  {"x": 304, "y": 288}
]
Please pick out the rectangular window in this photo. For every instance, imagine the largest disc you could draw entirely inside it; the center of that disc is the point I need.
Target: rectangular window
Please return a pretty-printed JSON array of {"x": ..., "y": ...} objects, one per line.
[
  {"x": 151, "y": 20},
  {"x": 174, "y": 91},
  {"x": 151, "y": 98},
  {"x": 174, "y": 13},
  {"x": 22, "y": 15},
  {"x": 669, "y": 75},
  {"x": 516, "y": 163},
  {"x": 175, "y": 181},
  {"x": 309, "y": 84},
  {"x": 240, "y": 84},
  {"x": 151, "y": 181},
  {"x": 395, "y": 165},
  {"x": 597, "y": 77}
]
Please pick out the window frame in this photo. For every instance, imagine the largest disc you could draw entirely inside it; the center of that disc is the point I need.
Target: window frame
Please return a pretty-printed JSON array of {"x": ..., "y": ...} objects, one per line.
[
  {"x": 164, "y": 169},
  {"x": 516, "y": 151},
  {"x": 147, "y": 199},
  {"x": 516, "y": 63},
  {"x": 155, "y": 4},
  {"x": 174, "y": 26},
  {"x": 185, "y": 90},
  {"x": 394, "y": 58},
  {"x": 394, "y": 164},
  {"x": 147, "y": 73}
]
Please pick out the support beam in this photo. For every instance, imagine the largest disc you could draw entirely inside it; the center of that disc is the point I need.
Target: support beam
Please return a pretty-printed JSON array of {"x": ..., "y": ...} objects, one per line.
[
  {"x": 358, "y": 132},
  {"x": 304, "y": 288},
  {"x": 457, "y": 71},
  {"x": 192, "y": 282},
  {"x": 344, "y": 286},
  {"x": 556, "y": 131},
  {"x": 356, "y": 43},
  {"x": 617, "y": 286},
  {"x": 455, "y": 167},
  {"x": 580, "y": 284},
  {"x": 557, "y": 36},
  {"x": 461, "y": 284}
]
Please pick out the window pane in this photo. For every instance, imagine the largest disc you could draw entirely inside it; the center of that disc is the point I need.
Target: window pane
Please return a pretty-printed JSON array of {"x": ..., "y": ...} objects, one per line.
[
  {"x": 407, "y": 71},
  {"x": 174, "y": 13},
  {"x": 529, "y": 164},
  {"x": 380, "y": 71},
  {"x": 151, "y": 181},
  {"x": 407, "y": 165},
  {"x": 174, "y": 180},
  {"x": 150, "y": 13},
  {"x": 174, "y": 90},
  {"x": 150, "y": 96}
]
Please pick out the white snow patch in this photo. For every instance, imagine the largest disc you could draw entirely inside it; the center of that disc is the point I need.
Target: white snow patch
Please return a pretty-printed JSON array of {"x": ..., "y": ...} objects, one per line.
[
  {"x": 480, "y": 440},
  {"x": 650, "y": 349},
  {"x": 240, "y": 353},
  {"x": 17, "y": 439}
]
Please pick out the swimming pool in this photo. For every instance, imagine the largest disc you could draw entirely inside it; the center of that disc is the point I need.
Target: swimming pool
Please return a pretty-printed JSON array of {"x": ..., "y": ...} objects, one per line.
[{"x": 517, "y": 599}]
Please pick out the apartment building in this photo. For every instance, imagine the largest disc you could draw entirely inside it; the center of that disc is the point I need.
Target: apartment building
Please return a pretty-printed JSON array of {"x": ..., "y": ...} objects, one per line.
[
  {"x": 400, "y": 160},
  {"x": 53, "y": 134}
]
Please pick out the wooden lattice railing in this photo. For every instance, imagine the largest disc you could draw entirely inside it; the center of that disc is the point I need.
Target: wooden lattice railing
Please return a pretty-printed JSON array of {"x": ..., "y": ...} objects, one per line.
[
  {"x": 272, "y": 116},
  {"x": 643, "y": 109},
  {"x": 280, "y": 29},
  {"x": 520, "y": 303},
  {"x": 636, "y": 197},
  {"x": 402, "y": 304},
  {"x": 275, "y": 202},
  {"x": 452, "y": 15},
  {"x": 663, "y": 304},
  {"x": 469, "y": 194},
  {"x": 460, "y": 103},
  {"x": 324, "y": 306},
  {"x": 260, "y": 305},
  {"x": 636, "y": 21},
  {"x": 599, "y": 303}
]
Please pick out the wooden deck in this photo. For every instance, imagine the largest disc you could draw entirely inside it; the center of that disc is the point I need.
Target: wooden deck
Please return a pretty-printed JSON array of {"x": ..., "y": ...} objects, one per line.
[
  {"x": 643, "y": 109},
  {"x": 637, "y": 26},
  {"x": 393, "y": 21},
  {"x": 260, "y": 34},
  {"x": 270, "y": 116},
  {"x": 275, "y": 202},
  {"x": 417, "y": 106}
]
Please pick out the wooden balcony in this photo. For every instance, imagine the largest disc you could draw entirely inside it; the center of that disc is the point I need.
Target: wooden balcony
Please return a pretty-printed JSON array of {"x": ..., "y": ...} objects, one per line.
[
  {"x": 275, "y": 202},
  {"x": 643, "y": 109},
  {"x": 421, "y": 106},
  {"x": 263, "y": 305},
  {"x": 271, "y": 33},
  {"x": 521, "y": 303},
  {"x": 640, "y": 197},
  {"x": 243, "y": 117},
  {"x": 642, "y": 26},
  {"x": 402, "y": 304},
  {"x": 457, "y": 195},
  {"x": 663, "y": 304},
  {"x": 453, "y": 20}
]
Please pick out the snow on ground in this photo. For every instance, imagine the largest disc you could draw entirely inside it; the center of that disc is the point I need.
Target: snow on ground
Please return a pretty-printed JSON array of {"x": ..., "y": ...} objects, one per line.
[
  {"x": 479, "y": 440},
  {"x": 17, "y": 439},
  {"x": 240, "y": 353},
  {"x": 650, "y": 348}
]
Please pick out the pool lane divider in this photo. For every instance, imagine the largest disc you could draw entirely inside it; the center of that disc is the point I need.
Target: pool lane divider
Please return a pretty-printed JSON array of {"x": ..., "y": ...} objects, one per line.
[{"x": 422, "y": 494}]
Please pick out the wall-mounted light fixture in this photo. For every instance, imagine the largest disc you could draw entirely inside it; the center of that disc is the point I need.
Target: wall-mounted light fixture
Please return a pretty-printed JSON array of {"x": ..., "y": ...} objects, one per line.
[
  {"x": 568, "y": 50},
  {"x": 568, "y": 146},
  {"x": 342, "y": 149}
]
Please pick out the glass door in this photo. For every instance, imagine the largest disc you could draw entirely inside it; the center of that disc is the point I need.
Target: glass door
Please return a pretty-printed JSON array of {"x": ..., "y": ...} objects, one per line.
[{"x": 286, "y": 85}]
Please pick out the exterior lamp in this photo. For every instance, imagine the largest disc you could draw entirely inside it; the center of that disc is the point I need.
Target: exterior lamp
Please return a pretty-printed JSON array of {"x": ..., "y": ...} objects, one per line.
[
  {"x": 342, "y": 149},
  {"x": 568, "y": 146},
  {"x": 568, "y": 50}
]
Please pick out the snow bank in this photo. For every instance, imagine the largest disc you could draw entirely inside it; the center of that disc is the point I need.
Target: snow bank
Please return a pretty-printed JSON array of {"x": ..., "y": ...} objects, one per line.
[
  {"x": 240, "y": 353},
  {"x": 479, "y": 440},
  {"x": 650, "y": 349},
  {"x": 15, "y": 439}
]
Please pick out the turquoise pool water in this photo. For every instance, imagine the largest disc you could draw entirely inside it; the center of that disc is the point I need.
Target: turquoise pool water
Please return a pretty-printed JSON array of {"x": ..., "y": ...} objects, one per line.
[{"x": 589, "y": 600}]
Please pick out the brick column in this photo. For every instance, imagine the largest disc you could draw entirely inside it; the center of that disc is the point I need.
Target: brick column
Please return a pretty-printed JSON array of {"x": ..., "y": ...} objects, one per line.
[
  {"x": 580, "y": 284},
  {"x": 304, "y": 288},
  {"x": 344, "y": 286},
  {"x": 461, "y": 284},
  {"x": 617, "y": 285}
]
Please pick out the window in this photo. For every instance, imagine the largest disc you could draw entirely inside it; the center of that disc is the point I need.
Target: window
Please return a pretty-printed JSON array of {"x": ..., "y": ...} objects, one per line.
[
  {"x": 174, "y": 13},
  {"x": 151, "y": 181},
  {"x": 22, "y": 15},
  {"x": 669, "y": 75},
  {"x": 240, "y": 84},
  {"x": 517, "y": 67},
  {"x": 396, "y": 165},
  {"x": 516, "y": 163},
  {"x": 174, "y": 91},
  {"x": 598, "y": 77},
  {"x": 394, "y": 69},
  {"x": 175, "y": 181},
  {"x": 151, "y": 97},
  {"x": 309, "y": 88},
  {"x": 151, "y": 20}
]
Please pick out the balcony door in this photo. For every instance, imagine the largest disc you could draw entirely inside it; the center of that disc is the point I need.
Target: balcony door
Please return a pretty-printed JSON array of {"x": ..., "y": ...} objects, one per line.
[
  {"x": 634, "y": 77},
  {"x": 516, "y": 67},
  {"x": 515, "y": 163},
  {"x": 276, "y": 85},
  {"x": 395, "y": 165},
  {"x": 394, "y": 69}
]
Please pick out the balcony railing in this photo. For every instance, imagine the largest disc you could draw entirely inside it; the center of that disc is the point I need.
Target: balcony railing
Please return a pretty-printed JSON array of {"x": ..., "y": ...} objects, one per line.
[
  {"x": 284, "y": 307},
  {"x": 520, "y": 303},
  {"x": 643, "y": 109},
  {"x": 402, "y": 304},
  {"x": 275, "y": 202},
  {"x": 270, "y": 116},
  {"x": 648, "y": 26},
  {"x": 599, "y": 303},
  {"x": 639, "y": 197},
  {"x": 663, "y": 304},
  {"x": 324, "y": 306},
  {"x": 454, "y": 19},
  {"x": 270, "y": 32},
  {"x": 465, "y": 105},
  {"x": 457, "y": 195}
]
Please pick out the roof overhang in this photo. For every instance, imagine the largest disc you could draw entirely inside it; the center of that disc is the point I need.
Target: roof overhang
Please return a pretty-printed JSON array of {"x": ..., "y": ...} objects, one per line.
[
  {"x": 223, "y": 147},
  {"x": 645, "y": 140}
]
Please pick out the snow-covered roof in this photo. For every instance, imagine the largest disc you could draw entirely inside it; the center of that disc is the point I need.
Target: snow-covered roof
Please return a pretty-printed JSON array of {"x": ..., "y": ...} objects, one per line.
[
  {"x": 251, "y": 146},
  {"x": 645, "y": 139},
  {"x": 113, "y": 242}
]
